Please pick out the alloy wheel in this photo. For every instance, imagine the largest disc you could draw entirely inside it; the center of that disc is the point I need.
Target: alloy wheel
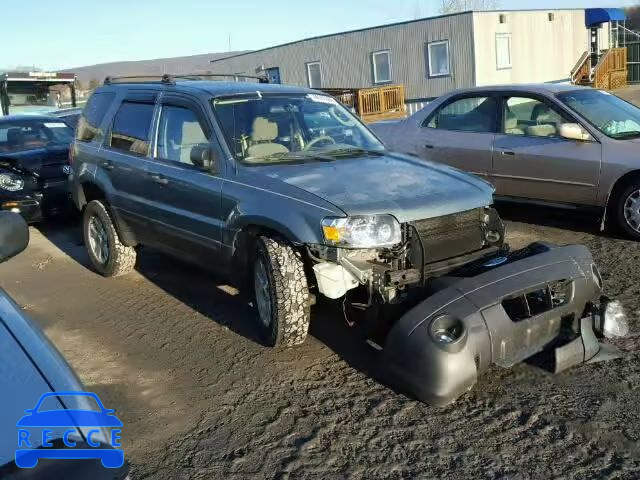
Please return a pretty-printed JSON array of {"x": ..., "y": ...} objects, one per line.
[
  {"x": 632, "y": 210},
  {"x": 98, "y": 240}
]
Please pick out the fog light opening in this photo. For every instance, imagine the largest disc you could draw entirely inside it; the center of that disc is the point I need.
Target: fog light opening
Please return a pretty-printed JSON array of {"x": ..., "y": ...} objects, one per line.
[{"x": 447, "y": 330}]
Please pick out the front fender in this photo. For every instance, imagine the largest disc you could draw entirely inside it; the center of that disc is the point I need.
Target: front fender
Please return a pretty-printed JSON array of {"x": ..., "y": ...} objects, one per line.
[{"x": 296, "y": 227}]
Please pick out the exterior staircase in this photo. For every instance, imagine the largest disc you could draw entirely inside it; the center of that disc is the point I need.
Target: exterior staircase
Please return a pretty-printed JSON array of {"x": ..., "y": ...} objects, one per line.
[{"x": 610, "y": 71}]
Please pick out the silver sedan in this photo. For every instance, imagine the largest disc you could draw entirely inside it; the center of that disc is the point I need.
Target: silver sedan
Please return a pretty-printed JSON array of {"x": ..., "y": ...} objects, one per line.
[{"x": 556, "y": 144}]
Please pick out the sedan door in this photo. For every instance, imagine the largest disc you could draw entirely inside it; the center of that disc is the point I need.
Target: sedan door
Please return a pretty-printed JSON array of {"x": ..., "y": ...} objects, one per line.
[
  {"x": 460, "y": 133},
  {"x": 531, "y": 160},
  {"x": 186, "y": 193}
]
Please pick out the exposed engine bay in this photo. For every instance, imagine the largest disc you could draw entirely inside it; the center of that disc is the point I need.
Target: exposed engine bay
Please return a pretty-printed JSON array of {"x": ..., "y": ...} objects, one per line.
[{"x": 429, "y": 248}]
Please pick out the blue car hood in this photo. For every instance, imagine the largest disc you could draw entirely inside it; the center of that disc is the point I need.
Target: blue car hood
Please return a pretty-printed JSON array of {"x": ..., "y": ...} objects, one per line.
[{"x": 408, "y": 188}]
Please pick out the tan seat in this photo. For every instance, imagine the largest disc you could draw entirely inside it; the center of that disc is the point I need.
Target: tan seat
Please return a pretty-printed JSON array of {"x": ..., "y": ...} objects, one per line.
[
  {"x": 192, "y": 135},
  {"x": 546, "y": 120},
  {"x": 544, "y": 130},
  {"x": 511, "y": 124},
  {"x": 263, "y": 132}
]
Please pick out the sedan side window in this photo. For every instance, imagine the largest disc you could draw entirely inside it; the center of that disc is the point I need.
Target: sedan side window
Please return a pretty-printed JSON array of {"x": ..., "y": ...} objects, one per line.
[
  {"x": 179, "y": 133},
  {"x": 469, "y": 114},
  {"x": 531, "y": 117}
]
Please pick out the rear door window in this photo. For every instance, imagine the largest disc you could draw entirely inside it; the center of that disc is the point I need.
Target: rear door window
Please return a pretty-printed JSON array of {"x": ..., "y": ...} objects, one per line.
[
  {"x": 92, "y": 116},
  {"x": 131, "y": 128},
  {"x": 468, "y": 114}
]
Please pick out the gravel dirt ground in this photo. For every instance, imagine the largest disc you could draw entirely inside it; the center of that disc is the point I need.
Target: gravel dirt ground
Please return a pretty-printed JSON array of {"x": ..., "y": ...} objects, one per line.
[{"x": 172, "y": 349}]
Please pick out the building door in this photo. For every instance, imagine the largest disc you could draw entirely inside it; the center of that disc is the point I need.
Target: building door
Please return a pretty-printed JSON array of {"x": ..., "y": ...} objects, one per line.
[{"x": 273, "y": 74}]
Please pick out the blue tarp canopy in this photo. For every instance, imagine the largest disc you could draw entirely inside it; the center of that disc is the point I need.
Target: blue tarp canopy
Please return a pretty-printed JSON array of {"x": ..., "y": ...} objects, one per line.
[{"x": 597, "y": 16}]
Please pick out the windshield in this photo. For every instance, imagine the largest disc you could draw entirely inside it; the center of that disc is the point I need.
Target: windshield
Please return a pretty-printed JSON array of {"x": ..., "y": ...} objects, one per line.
[
  {"x": 611, "y": 115},
  {"x": 279, "y": 128},
  {"x": 26, "y": 134}
]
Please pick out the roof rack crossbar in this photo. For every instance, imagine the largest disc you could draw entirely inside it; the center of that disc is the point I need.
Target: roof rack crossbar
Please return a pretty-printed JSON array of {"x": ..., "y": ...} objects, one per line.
[
  {"x": 195, "y": 76},
  {"x": 169, "y": 78},
  {"x": 166, "y": 78}
]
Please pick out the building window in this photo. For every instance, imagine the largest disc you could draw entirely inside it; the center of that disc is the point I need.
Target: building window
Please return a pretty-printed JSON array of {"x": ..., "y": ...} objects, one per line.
[
  {"x": 314, "y": 75},
  {"x": 381, "y": 66},
  {"x": 438, "y": 55},
  {"x": 503, "y": 51}
]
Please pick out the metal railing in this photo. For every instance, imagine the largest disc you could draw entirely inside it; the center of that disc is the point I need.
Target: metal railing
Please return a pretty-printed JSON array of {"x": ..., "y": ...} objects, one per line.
[{"x": 582, "y": 69}]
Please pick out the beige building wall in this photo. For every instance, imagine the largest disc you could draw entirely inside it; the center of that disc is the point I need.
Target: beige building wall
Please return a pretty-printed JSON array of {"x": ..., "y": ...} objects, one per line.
[{"x": 542, "y": 50}]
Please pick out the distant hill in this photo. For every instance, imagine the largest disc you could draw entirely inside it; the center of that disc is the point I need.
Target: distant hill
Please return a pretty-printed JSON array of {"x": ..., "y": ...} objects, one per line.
[{"x": 158, "y": 66}]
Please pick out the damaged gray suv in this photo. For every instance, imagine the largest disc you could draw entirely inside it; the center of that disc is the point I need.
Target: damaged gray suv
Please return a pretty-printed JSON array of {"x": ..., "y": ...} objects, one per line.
[{"x": 286, "y": 190}]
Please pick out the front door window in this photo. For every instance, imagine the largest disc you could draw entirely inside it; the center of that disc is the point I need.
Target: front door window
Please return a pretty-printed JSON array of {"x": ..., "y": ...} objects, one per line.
[{"x": 531, "y": 117}]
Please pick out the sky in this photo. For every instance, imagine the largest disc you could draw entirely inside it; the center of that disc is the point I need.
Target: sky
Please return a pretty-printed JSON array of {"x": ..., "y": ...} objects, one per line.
[{"x": 71, "y": 33}]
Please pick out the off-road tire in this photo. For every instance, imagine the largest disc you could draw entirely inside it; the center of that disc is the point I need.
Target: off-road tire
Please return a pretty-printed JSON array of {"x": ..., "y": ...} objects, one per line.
[
  {"x": 288, "y": 291},
  {"x": 618, "y": 206},
  {"x": 122, "y": 259}
]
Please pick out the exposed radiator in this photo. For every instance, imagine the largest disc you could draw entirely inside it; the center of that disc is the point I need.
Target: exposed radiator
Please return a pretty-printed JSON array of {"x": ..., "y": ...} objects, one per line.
[{"x": 447, "y": 236}]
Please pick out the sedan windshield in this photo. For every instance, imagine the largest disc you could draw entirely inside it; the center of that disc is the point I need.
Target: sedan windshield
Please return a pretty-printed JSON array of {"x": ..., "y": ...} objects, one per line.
[
  {"x": 265, "y": 129},
  {"x": 26, "y": 134},
  {"x": 611, "y": 115}
]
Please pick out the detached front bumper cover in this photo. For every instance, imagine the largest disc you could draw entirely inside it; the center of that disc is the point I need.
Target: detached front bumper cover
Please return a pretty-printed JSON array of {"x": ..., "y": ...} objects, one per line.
[{"x": 543, "y": 298}]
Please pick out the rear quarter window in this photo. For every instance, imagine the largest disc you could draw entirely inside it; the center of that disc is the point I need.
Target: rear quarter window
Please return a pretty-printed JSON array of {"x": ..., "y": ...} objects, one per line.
[{"x": 88, "y": 128}]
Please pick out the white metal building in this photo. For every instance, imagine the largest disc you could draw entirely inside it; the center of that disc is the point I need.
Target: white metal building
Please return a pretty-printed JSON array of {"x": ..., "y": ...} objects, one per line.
[{"x": 430, "y": 56}]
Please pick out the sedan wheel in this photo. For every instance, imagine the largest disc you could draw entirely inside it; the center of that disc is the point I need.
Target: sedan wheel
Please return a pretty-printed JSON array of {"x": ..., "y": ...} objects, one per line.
[{"x": 632, "y": 210}]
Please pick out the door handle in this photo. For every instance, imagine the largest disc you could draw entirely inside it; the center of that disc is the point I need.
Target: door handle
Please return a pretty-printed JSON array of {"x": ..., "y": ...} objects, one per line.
[
  {"x": 507, "y": 152},
  {"x": 107, "y": 165},
  {"x": 430, "y": 147},
  {"x": 159, "y": 179}
]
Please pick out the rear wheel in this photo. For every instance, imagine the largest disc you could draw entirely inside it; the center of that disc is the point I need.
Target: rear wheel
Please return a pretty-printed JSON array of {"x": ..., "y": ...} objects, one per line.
[
  {"x": 281, "y": 293},
  {"x": 108, "y": 255},
  {"x": 627, "y": 209}
]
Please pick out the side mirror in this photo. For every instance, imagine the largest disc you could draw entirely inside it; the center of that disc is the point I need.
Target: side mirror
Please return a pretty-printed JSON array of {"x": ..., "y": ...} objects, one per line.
[
  {"x": 573, "y": 131},
  {"x": 14, "y": 235},
  {"x": 203, "y": 156}
]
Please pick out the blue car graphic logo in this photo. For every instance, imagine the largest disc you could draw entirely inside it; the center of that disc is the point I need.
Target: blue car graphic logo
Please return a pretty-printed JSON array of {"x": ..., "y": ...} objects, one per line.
[{"x": 44, "y": 422}]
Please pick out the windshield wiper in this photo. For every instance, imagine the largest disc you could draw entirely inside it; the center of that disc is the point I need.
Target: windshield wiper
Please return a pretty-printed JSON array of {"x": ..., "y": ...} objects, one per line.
[
  {"x": 354, "y": 150},
  {"x": 288, "y": 156},
  {"x": 632, "y": 133}
]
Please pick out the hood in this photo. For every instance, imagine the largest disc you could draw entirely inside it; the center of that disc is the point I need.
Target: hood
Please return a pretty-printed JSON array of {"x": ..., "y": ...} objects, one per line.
[
  {"x": 45, "y": 163},
  {"x": 403, "y": 186}
]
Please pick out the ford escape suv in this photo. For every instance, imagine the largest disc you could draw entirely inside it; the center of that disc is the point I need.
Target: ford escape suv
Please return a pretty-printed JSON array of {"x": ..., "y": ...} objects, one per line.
[{"x": 287, "y": 190}]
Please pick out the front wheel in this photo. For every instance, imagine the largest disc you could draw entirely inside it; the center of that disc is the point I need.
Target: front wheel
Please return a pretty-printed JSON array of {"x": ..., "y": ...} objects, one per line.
[
  {"x": 628, "y": 209},
  {"x": 281, "y": 293},
  {"x": 108, "y": 255}
]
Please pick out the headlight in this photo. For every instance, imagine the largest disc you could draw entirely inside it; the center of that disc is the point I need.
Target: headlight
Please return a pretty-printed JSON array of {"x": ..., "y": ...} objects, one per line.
[
  {"x": 11, "y": 182},
  {"x": 362, "y": 231}
]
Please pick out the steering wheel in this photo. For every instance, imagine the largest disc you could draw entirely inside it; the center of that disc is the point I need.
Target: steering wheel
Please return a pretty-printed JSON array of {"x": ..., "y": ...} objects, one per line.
[
  {"x": 321, "y": 138},
  {"x": 349, "y": 122}
]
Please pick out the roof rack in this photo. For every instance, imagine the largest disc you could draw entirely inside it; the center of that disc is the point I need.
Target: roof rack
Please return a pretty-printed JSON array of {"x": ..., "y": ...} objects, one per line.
[
  {"x": 170, "y": 78},
  {"x": 196, "y": 76},
  {"x": 166, "y": 78}
]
